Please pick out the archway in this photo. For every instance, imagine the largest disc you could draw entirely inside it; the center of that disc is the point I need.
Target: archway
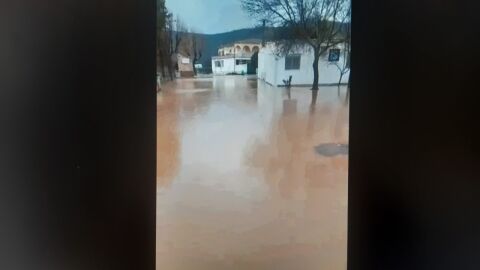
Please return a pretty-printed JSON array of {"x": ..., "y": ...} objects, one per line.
[
  {"x": 255, "y": 49},
  {"x": 246, "y": 49}
]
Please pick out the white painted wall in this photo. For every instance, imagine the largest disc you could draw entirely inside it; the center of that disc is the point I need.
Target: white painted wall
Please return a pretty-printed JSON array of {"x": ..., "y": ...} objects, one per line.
[
  {"x": 271, "y": 68},
  {"x": 267, "y": 67},
  {"x": 229, "y": 66},
  {"x": 241, "y": 69}
]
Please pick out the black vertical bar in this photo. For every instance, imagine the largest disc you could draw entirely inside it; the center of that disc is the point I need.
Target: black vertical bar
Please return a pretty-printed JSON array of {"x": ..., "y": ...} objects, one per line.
[
  {"x": 77, "y": 115},
  {"x": 414, "y": 148}
]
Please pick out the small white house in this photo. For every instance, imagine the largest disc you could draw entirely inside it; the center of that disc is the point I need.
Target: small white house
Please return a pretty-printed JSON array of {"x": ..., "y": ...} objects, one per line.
[
  {"x": 234, "y": 58},
  {"x": 184, "y": 66},
  {"x": 274, "y": 69},
  {"x": 223, "y": 65}
]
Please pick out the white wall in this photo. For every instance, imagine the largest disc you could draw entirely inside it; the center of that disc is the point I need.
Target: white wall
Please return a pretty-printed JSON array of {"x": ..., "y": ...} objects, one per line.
[
  {"x": 241, "y": 69},
  {"x": 229, "y": 66},
  {"x": 261, "y": 73},
  {"x": 271, "y": 68},
  {"x": 267, "y": 66}
]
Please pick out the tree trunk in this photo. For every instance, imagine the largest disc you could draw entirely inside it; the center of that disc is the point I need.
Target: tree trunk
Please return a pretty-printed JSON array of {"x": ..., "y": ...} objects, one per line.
[
  {"x": 347, "y": 97},
  {"x": 163, "y": 71},
  {"x": 314, "y": 97},
  {"x": 315, "y": 70},
  {"x": 171, "y": 70},
  {"x": 194, "y": 68},
  {"x": 340, "y": 82},
  {"x": 161, "y": 63}
]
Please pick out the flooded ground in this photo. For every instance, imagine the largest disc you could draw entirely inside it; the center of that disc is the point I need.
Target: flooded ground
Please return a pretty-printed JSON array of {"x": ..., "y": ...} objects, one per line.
[{"x": 242, "y": 181}]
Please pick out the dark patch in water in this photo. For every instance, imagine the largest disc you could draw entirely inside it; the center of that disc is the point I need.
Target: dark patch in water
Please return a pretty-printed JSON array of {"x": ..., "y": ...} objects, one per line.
[
  {"x": 203, "y": 85},
  {"x": 331, "y": 149}
]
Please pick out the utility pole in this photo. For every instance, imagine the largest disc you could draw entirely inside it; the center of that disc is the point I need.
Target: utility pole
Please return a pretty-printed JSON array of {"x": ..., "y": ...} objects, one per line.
[{"x": 263, "y": 36}]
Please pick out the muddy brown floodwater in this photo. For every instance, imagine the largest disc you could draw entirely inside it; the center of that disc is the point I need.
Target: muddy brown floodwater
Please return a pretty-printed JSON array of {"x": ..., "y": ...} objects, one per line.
[{"x": 241, "y": 183}]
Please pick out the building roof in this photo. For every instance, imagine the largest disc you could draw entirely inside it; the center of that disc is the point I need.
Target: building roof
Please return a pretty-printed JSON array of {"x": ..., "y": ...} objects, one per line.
[
  {"x": 250, "y": 41},
  {"x": 182, "y": 55},
  {"x": 230, "y": 57},
  {"x": 301, "y": 44},
  {"x": 244, "y": 41}
]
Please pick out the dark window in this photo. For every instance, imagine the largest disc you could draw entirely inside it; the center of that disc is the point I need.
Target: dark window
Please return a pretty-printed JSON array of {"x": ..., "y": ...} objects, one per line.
[
  {"x": 292, "y": 62},
  {"x": 334, "y": 55},
  {"x": 242, "y": 62},
  {"x": 219, "y": 63}
]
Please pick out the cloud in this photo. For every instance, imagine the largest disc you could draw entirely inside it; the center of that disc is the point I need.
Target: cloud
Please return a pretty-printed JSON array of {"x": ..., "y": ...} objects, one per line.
[{"x": 211, "y": 16}]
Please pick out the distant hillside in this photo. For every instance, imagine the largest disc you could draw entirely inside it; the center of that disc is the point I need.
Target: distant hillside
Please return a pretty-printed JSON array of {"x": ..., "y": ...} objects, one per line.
[{"x": 215, "y": 41}]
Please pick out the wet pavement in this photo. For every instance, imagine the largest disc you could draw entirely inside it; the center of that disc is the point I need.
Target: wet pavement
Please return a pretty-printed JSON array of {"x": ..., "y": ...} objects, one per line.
[{"x": 242, "y": 181}]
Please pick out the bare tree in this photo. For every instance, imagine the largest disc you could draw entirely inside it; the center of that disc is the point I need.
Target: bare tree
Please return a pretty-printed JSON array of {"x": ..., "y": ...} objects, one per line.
[
  {"x": 318, "y": 24},
  {"x": 175, "y": 35},
  {"x": 344, "y": 64},
  {"x": 162, "y": 40},
  {"x": 172, "y": 35},
  {"x": 196, "y": 45},
  {"x": 178, "y": 31}
]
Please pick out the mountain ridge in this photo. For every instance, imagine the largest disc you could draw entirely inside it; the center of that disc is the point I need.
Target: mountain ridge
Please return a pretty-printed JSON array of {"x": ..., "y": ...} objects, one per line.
[{"x": 214, "y": 41}]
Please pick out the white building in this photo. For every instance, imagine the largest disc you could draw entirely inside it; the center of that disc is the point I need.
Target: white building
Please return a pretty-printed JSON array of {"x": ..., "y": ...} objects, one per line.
[
  {"x": 274, "y": 69},
  {"x": 184, "y": 66},
  {"x": 234, "y": 58}
]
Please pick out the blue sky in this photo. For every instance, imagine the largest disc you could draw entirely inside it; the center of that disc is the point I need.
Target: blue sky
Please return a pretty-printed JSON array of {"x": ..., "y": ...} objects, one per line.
[{"x": 211, "y": 16}]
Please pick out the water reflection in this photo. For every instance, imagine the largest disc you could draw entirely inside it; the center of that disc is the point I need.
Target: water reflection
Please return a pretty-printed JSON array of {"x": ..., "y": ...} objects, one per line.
[
  {"x": 168, "y": 142},
  {"x": 314, "y": 98},
  {"x": 241, "y": 185},
  {"x": 290, "y": 106}
]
